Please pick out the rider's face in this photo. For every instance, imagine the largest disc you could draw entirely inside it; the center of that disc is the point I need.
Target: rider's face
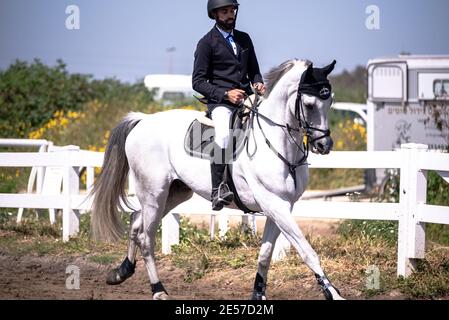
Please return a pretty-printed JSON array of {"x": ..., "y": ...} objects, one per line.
[{"x": 226, "y": 14}]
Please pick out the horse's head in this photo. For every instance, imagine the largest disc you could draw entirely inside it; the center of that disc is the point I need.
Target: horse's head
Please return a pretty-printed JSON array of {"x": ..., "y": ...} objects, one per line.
[{"x": 312, "y": 104}]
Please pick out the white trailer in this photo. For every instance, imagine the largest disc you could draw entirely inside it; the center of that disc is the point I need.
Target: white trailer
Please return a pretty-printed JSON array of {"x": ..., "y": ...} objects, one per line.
[
  {"x": 402, "y": 95},
  {"x": 170, "y": 88}
]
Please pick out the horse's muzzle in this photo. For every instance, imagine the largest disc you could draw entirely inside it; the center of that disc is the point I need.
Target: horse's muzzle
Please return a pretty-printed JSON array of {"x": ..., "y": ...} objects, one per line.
[{"x": 323, "y": 145}]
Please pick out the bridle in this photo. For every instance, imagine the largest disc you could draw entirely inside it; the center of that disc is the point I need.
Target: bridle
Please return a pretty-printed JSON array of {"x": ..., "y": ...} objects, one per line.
[
  {"x": 304, "y": 127},
  {"x": 299, "y": 110}
]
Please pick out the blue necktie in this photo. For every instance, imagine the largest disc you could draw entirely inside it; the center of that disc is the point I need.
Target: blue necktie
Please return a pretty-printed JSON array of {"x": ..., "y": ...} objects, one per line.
[{"x": 230, "y": 39}]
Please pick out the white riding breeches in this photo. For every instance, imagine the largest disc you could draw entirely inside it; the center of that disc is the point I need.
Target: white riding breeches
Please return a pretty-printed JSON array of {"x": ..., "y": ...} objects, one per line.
[{"x": 221, "y": 117}]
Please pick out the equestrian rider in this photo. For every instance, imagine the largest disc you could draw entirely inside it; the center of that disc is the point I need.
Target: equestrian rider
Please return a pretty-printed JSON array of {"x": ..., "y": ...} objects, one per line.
[{"x": 225, "y": 67}]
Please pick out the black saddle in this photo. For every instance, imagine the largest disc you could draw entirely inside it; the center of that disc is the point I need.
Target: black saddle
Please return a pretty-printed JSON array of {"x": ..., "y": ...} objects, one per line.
[{"x": 199, "y": 139}]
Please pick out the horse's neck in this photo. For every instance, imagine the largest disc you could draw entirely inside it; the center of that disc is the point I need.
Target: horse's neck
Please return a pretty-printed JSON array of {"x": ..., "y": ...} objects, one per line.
[{"x": 275, "y": 108}]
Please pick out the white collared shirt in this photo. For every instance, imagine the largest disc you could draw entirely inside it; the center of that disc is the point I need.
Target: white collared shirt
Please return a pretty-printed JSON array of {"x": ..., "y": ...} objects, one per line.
[{"x": 231, "y": 40}]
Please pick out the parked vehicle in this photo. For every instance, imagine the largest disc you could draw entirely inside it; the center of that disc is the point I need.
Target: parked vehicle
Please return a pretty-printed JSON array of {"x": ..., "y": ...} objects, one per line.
[{"x": 170, "y": 88}]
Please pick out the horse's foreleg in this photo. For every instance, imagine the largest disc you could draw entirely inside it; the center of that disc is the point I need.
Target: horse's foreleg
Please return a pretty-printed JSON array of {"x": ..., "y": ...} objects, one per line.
[
  {"x": 270, "y": 234},
  {"x": 178, "y": 193},
  {"x": 128, "y": 266},
  {"x": 279, "y": 212}
]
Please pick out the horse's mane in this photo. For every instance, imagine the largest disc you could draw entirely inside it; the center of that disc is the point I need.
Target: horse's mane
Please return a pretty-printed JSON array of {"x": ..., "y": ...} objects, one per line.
[{"x": 273, "y": 76}]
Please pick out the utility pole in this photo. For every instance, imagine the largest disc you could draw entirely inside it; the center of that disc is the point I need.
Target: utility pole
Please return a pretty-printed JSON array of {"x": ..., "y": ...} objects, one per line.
[{"x": 170, "y": 59}]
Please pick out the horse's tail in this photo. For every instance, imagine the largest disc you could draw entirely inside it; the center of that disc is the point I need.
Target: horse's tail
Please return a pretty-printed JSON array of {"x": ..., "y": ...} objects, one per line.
[{"x": 109, "y": 187}]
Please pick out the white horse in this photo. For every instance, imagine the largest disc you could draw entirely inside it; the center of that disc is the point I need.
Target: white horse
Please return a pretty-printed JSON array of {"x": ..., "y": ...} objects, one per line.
[{"x": 297, "y": 101}]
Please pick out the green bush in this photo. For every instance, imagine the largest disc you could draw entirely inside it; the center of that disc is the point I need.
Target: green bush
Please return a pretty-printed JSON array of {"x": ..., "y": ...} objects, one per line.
[
  {"x": 437, "y": 190},
  {"x": 437, "y": 194},
  {"x": 350, "y": 86},
  {"x": 31, "y": 93},
  {"x": 348, "y": 135},
  {"x": 386, "y": 230}
]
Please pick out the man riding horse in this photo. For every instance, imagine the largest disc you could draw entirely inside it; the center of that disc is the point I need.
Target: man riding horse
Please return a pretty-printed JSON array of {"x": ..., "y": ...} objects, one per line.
[
  {"x": 225, "y": 67},
  {"x": 270, "y": 181}
]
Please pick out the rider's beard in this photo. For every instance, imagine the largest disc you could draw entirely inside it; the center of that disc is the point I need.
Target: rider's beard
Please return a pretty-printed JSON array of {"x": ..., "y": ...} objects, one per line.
[{"x": 226, "y": 25}]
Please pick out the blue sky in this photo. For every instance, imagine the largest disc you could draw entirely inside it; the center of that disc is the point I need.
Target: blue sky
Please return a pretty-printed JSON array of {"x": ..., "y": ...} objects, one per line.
[{"x": 128, "y": 39}]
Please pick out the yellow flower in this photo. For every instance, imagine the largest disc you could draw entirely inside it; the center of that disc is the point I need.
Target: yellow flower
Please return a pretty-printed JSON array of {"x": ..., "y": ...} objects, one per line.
[
  {"x": 64, "y": 122},
  {"x": 188, "y": 108}
]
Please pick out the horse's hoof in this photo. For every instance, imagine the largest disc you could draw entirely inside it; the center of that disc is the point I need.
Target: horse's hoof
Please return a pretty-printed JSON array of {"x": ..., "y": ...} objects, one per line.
[
  {"x": 161, "y": 296},
  {"x": 114, "y": 277},
  {"x": 332, "y": 293},
  {"x": 329, "y": 291},
  {"x": 122, "y": 273},
  {"x": 258, "y": 296},
  {"x": 336, "y": 294}
]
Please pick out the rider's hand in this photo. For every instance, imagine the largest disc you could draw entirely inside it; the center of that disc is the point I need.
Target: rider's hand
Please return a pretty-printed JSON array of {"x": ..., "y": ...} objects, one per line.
[
  {"x": 260, "y": 88},
  {"x": 236, "y": 96}
]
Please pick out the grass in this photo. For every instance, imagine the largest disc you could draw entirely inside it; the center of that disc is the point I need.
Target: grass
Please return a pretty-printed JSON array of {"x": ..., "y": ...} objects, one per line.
[
  {"x": 385, "y": 230},
  {"x": 198, "y": 255},
  {"x": 345, "y": 257},
  {"x": 430, "y": 281},
  {"x": 39, "y": 237},
  {"x": 325, "y": 179},
  {"x": 105, "y": 259}
]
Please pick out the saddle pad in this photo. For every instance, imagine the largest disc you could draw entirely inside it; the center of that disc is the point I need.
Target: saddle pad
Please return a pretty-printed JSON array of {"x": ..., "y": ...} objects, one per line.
[{"x": 199, "y": 139}]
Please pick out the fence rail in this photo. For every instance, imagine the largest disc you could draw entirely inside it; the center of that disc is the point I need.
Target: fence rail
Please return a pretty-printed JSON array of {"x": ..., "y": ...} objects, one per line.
[{"x": 411, "y": 211}]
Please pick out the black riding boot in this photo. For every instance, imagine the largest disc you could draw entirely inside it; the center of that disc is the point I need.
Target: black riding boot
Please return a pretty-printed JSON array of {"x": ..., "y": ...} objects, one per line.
[{"x": 221, "y": 194}]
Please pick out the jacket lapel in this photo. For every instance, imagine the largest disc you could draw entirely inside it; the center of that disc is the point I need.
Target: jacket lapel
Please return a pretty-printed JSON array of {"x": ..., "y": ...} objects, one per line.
[
  {"x": 239, "y": 47},
  {"x": 225, "y": 42}
]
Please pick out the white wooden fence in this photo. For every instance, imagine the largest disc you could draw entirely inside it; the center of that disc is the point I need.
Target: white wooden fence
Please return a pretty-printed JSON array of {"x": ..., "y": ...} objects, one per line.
[{"x": 411, "y": 212}]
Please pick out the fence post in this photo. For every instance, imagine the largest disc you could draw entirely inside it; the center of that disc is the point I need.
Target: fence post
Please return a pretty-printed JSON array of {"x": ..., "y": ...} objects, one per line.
[
  {"x": 40, "y": 171},
  {"x": 90, "y": 177},
  {"x": 412, "y": 190},
  {"x": 223, "y": 221},
  {"x": 245, "y": 223},
  {"x": 70, "y": 217},
  {"x": 212, "y": 226},
  {"x": 248, "y": 224},
  {"x": 170, "y": 231}
]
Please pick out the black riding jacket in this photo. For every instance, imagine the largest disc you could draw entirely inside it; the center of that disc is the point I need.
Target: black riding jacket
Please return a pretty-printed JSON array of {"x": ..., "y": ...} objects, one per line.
[{"x": 217, "y": 69}]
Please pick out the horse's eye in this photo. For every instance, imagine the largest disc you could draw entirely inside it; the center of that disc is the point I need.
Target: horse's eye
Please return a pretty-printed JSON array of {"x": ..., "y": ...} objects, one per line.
[{"x": 309, "y": 106}]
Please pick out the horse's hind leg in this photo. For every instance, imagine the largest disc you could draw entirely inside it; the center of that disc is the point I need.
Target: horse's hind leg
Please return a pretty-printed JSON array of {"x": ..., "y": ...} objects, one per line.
[
  {"x": 128, "y": 266},
  {"x": 179, "y": 192},
  {"x": 270, "y": 234}
]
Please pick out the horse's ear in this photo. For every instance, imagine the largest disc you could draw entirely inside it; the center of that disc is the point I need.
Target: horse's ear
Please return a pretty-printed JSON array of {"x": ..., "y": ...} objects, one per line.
[
  {"x": 308, "y": 74},
  {"x": 328, "y": 69}
]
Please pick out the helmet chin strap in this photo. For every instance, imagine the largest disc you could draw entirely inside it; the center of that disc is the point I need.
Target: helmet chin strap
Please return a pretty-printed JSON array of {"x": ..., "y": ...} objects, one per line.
[{"x": 223, "y": 25}]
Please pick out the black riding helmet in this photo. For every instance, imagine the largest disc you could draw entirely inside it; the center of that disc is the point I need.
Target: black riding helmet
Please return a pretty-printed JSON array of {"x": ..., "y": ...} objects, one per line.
[{"x": 215, "y": 4}]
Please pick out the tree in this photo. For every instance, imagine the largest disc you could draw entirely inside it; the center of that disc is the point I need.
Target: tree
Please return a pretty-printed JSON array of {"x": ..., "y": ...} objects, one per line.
[{"x": 31, "y": 93}]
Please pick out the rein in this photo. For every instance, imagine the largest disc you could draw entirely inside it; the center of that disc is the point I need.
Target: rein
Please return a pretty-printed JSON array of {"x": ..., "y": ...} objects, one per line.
[{"x": 304, "y": 127}]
